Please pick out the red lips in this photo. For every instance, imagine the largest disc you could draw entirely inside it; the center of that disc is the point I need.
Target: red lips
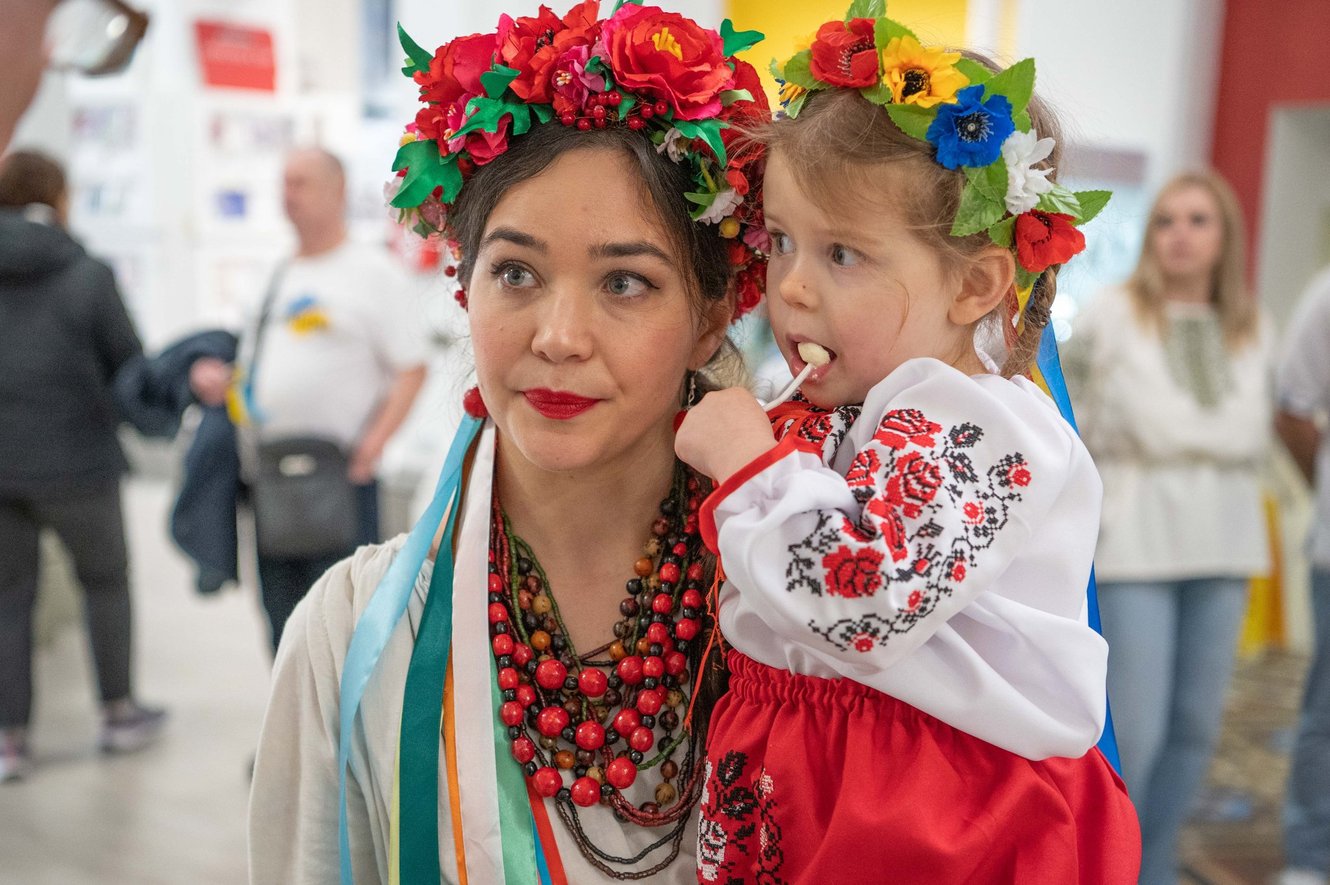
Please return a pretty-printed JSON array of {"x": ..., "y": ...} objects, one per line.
[{"x": 558, "y": 404}]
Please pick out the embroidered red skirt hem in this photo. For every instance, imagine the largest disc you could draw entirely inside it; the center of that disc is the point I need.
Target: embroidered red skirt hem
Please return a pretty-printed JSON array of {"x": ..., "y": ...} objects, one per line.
[{"x": 818, "y": 780}]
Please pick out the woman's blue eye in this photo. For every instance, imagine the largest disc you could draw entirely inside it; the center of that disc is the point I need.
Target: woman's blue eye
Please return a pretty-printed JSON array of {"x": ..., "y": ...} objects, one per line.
[
  {"x": 626, "y": 285},
  {"x": 844, "y": 257},
  {"x": 514, "y": 276},
  {"x": 781, "y": 244}
]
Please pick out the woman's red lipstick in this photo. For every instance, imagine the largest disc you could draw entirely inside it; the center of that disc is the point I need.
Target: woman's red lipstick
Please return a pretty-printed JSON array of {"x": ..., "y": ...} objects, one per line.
[{"x": 558, "y": 404}]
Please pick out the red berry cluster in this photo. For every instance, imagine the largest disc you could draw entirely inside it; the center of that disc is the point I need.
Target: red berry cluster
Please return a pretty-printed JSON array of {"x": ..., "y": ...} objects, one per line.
[{"x": 602, "y": 108}]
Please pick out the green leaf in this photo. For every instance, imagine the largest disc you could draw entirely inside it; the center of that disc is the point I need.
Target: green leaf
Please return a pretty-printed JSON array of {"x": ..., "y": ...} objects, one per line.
[
  {"x": 1004, "y": 232},
  {"x": 885, "y": 30},
  {"x": 419, "y": 57},
  {"x": 991, "y": 180},
  {"x": 730, "y": 96},
  {"x": 796, "y": 71},
  {"x": 496, "y": 80},
  {"x": 1024, "y": 278},
  {"x": 1060, "y": 200},
  {"x": 701, "y": 198},
  {"x": 594, "y": 65},
  {"x": 1016, "y": 83},
  {"x": 737, "y": 41},
  {"x": 485, "y": 114},
  {"x": 1092, "y": 203},
  {"x": 426, "y": 170},
  {"x": 544, "y": 113},
  {"x": 1022, "y": 121},
  {"x": 796, "y": 105},
  {"x": 708, "y": 131},
  {"x": 978, "y": 211},
  {"x": 866, "y": 9},
  {"x": 912, "y": 119},
  {"x": 879, "y": 93},
  {"x": 776, "y": 71},
  {"x": 973, "y": 71},
  {"x": 521, "y": 118},
  {"x": 626, "y": 104}
]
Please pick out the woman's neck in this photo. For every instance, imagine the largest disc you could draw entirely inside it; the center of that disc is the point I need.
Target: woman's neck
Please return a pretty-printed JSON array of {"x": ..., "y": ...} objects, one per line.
[{"x": 1197, "y": 289}]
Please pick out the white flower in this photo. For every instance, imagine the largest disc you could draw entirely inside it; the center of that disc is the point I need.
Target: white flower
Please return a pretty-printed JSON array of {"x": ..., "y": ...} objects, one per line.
[
  {"x": 1025, "y": 184},
  {"x": 673, "y": 144},
  {"x": 721, "y": 207}
]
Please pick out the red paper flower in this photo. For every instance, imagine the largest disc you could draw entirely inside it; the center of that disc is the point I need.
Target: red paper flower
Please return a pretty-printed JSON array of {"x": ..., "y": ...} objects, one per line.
[
  {"x": 665, "y": 56},
  {"x": 455, "y": 70},
  {"x": 481, "y": 146},
  {"x": 1046, "y": 238},
  {"x": 532, "y": 45},
  {"x": 853, "y": 573},
  {"x": 844, "y": 54},
  {"x": 748, "y": 285},
  {"x": 913, "y": 483},
  {"x": 744, "y": 151}
]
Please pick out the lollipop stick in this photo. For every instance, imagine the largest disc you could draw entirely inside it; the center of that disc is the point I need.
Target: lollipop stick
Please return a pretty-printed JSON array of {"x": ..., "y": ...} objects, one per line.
[{"x": 790, "y": 388}]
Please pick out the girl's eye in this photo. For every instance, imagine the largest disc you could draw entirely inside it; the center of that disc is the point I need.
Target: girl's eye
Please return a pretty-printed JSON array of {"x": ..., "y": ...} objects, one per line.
[
  {"x": 844, "y": 257},
  {"x": 514, "y": 276},
  {"x": 781, "y": 243},
  {"x": 626, "y": 285}
]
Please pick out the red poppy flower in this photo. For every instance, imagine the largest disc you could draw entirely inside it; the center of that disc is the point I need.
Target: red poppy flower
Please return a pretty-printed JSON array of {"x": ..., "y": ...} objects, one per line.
[
  {"x": 745, "y": 115},
  {"x": 665, "y": 56},
  {"x": 853, "y": 573},
  {"x": 455, "y": 70},
  {"x": 844, "y": 54},
  {"x": 532, "y": 45},
  {"x": 1046, "y": 238}
]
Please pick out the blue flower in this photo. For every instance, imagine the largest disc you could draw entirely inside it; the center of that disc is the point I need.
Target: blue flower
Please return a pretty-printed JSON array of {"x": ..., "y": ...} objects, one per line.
[{"x": 970, "y": 132}]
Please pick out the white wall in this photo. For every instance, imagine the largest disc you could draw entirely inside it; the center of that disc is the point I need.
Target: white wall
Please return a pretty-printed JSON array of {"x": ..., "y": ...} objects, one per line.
[{"x": 1295, "y": 226}]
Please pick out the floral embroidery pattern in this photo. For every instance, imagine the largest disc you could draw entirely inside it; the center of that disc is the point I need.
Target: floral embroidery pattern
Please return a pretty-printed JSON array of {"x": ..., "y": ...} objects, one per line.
[
  {"x": 738, "y": 836},
  {"x": 928, "y": 514}
]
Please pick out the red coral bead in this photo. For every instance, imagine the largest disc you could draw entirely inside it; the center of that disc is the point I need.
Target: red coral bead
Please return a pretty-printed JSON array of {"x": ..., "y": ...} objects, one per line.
[
  {"x": 503, "y": 644},
  {"x": 653, "y": 667},
  {"x": 496, "y": 584},
  {"x": 695, "y": 572},
  {"x": 687, "y": 628},
  {"x": 627, "y": 720},
  {"x": 526, "y": 695},
  {"x": 658, "y": 633},
  {"x": 592, "y": 683},
  {"x": 510, "y": 713},
  {"x": 669, "y": 573},
  {"x": 692, "y": 599},
  {"x": 498, "y": 613},
  {"x": 474, "y": 404},
  {"x": 649, "y": 702},
  {"x": 552, "y": 720},
  {"x": 524, "y": 750},
  {"x": 551, "y": 674},
  {"x": 586, "y": 792},
  {"x": 641, "y": 739},
  {"x": 630, "y": 670},
  {"x": 546, "y": 781},
  {"x": 680, "y": 549},
  {"x": 621, "y": 773},
  {"x": 590, "y": 736},
  {"x": 508, "y": 678},
  {"x": 662, "y": 603},
  {"x": 675, "y": 663},
  {"x": 522, "y": 653}
]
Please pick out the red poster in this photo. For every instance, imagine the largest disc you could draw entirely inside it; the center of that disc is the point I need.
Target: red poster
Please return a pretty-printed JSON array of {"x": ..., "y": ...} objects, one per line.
[{"x": 236, "y": 56}]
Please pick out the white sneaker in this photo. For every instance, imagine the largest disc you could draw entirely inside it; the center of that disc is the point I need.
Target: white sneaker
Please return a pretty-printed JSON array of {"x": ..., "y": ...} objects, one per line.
[
  {"x": 1300, "y": 876},
  {"x": 14, "y": 761},
  {"x": 128, "y": 726}
]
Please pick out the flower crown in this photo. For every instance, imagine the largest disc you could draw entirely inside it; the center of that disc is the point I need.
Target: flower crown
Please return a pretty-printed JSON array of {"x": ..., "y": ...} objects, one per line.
[
  {"x": 649, "y": 70},
  {"x": 976, "y": 120}
]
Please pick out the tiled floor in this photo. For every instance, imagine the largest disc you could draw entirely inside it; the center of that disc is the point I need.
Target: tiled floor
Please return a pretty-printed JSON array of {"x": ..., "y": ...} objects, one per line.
[{"x": 176, "y": 813}]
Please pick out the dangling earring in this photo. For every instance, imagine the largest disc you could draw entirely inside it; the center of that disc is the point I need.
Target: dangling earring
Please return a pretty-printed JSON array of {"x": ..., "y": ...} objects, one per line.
[{"x": 690, "y": 390}]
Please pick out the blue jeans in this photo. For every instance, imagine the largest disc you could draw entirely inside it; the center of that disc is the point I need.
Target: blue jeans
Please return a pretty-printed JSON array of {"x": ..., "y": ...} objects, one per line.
[
  {"x": 1171, "y": 650},
  {"x": 1307, "y": 805}
]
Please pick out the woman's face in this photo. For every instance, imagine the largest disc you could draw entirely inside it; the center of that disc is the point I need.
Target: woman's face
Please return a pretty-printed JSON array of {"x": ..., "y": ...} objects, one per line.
[
  {"x": 580, "y": 316},
  {"x": 1187, "y": 232}
]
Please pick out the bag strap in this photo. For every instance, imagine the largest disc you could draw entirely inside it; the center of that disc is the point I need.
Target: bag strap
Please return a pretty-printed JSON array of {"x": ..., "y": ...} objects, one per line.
[{"x": 265, "y": 313}]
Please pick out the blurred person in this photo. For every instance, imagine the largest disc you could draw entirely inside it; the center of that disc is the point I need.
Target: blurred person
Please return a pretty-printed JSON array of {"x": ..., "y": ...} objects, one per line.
[
  {"x": 1303, "y": 388},
  {"x": 337, "y": 354},
  {"x": 64, "y": 332},
  {"x": 1172, "y": 376}
]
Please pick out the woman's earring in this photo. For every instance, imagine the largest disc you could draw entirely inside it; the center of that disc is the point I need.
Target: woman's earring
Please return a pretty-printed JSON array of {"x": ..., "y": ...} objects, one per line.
[{"x": 690, "y": 395}]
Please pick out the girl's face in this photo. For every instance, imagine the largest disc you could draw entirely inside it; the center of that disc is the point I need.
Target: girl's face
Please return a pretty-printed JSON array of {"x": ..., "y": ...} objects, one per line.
[
  {"x": 861, "y": 284},
  {"x": 1187, "y": 232},
  {"x": 580, "y": 317}
]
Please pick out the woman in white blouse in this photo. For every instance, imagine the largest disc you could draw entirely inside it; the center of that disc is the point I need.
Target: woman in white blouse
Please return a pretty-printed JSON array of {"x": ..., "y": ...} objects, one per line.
[{"x": 1171, "y": 386}]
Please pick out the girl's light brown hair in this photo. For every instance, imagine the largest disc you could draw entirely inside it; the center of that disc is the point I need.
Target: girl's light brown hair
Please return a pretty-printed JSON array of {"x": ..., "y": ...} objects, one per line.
[
  {"x": 841, "y": 143},
  {"x": 1228, "y": 293}
]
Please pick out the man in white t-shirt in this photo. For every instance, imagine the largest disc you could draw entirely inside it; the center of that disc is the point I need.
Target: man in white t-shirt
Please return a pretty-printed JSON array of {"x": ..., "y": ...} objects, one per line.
[
  {"x": 341, "y": 357},
  {"x": 1304, "y": 402}
]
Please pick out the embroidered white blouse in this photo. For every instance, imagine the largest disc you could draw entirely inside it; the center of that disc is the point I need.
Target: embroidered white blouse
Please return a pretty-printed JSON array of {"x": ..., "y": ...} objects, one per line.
[{"x": 936, "y": 546}]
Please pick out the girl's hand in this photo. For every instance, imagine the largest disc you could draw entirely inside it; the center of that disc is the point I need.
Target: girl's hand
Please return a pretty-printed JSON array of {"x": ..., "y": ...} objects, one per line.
[{"x": 723, "y": 433}]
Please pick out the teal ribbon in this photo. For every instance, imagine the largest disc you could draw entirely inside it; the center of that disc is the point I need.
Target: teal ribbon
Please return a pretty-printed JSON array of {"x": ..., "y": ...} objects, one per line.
[
  {"x": 522, "y": 857},
  {"x": 1050, "y": 366},
  {"x": 384, "y": 611}
]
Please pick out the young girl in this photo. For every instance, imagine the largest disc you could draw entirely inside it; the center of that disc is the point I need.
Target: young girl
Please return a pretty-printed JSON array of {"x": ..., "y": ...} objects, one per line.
[{"x": 915, "y": 692}]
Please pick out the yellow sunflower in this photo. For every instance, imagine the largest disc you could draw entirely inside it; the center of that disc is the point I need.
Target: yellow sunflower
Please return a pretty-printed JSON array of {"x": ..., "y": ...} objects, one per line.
[{"x": 916, "y": 75}]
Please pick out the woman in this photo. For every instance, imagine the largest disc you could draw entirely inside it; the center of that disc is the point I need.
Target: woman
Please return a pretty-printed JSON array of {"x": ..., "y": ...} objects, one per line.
[
  {"x": 594, "y": 301},
  {"x": 1174, "y": 404}
]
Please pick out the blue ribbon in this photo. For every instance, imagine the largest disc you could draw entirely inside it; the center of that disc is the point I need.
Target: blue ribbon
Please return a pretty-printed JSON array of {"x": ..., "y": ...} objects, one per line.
[
  {"x": 1050, "y": 366},
  {"x": 382, "y": 614}
]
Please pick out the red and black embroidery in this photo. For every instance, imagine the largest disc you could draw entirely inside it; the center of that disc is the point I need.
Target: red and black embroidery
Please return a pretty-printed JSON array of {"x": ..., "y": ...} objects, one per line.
[
  {"x": 928, "y": 514},
  {"x": 738, "y": 836},
  {"x": 818, "y": 430}
]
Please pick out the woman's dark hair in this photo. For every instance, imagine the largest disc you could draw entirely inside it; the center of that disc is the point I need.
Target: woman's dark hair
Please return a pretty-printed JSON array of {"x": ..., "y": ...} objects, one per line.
[
  {"x": 702, "y": 251},
  {"x": 28, "y": 177}
]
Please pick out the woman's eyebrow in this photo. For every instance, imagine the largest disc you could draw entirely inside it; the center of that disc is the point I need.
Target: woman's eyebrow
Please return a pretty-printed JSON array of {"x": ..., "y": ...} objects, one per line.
[
  {"x": 629, "y": 250},
  {"x": 516, "y": 237}
]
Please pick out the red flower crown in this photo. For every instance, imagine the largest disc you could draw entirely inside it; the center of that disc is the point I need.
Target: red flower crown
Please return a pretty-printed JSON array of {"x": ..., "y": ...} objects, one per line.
[{"x": 652, "y": 71}]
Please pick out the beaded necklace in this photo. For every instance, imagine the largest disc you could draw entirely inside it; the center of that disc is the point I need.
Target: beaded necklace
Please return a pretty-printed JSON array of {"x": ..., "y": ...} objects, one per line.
[{"x": 599, "y": 715}]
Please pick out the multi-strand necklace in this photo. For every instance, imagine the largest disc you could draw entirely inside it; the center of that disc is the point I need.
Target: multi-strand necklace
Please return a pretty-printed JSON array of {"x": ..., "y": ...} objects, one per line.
[{"x": 585, "y": 728}]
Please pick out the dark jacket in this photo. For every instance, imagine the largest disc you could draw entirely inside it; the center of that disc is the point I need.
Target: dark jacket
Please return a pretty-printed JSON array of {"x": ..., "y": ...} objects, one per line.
[
  {"x": 153, "y": 394},
  {"x": 64, "y": 332}
]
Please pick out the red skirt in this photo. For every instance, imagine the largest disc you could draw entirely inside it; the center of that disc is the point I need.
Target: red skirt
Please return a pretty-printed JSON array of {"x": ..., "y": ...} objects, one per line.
[{"x": 814, "y": 780}]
